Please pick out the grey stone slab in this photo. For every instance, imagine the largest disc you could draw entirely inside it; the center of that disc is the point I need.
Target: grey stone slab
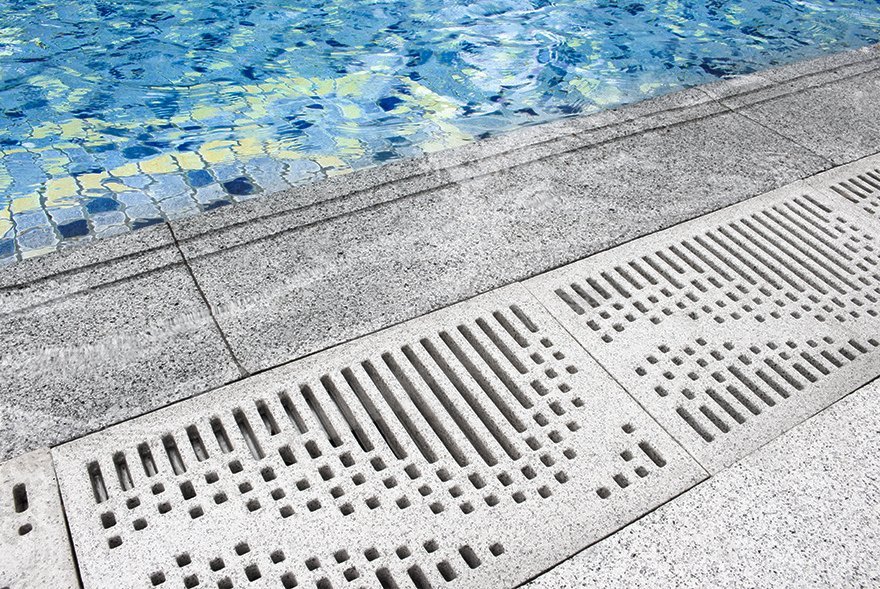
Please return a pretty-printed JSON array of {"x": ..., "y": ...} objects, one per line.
[
  {"x": 34, "y": 547},
  {"x": 857, "y": 183},
  {"x": 302, "y": 288},
  {"x": 479, "y": 443},
  {"x": 838, "y": 119},
  {"x": 736, "y": 326},
  {"x": 799, "y": 512},
  {"x": 89, "y": 346}
]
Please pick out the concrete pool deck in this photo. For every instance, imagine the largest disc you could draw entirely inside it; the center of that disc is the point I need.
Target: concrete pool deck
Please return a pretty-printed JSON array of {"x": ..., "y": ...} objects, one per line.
[{"x": 105, "y": 333}]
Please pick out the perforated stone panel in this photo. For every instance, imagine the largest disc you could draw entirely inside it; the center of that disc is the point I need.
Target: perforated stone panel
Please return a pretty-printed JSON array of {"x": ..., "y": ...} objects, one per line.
[
  {"x": 34, "y": 546},
  {"x": 473, "y": 447},
  {"x": 731, "y": 328},
  {"x": 857, "y": 183}
]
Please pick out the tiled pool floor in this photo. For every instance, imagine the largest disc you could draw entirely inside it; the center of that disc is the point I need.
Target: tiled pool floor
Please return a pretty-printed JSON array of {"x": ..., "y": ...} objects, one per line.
[{"x": 116, "y": 116}]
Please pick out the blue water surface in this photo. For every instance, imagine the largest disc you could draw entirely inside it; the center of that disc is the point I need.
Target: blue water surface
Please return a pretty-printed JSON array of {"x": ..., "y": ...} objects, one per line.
[{"x": 116, "y": 114}]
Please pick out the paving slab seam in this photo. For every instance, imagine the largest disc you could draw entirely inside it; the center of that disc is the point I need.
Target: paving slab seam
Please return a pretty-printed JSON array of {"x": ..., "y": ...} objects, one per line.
[
  {"x": 208, "y": 309},
  {"x": 770, "y": 129},
  {"x": 613, "y": 377},
  {"x": 709, "y": 477},
  {"x": 704, "y": 571},
  {"x": 69, "y": 534}
]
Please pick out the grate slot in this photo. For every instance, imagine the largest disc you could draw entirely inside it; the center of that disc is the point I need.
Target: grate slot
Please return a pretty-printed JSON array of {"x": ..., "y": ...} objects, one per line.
[
  {"x": 461, "y": 422},
  {"x": 425, "y": 409},
  {"x": 473, "y": 402},
  {"x": 414, "y": 433},
  {"x": 375, "y": 416}
]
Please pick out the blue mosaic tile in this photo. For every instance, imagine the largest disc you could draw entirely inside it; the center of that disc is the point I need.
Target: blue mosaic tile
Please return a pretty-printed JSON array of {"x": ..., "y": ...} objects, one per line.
[
  {"x": 101, "y": 205},
  {"x": 64, "y": 214},
  {"x": 166, "y": 112},
  {"x": 36, "y": 238},
  {"x": 30, "y": 219},
  {"x": 240, "y": 187},
  {"x": 199, "y": 178},
  {"x": 131, "y": 199},
  {"x": 74, "y": 228},
  {"x": 7, "y": 248},
  {"x": 206, "y": 194}
]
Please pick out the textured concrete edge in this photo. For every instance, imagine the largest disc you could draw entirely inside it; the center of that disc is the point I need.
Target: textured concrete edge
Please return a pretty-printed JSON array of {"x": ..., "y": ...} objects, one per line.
[
  {"x": 425, "y": 172},
  {"x": 432, "y": 170}
]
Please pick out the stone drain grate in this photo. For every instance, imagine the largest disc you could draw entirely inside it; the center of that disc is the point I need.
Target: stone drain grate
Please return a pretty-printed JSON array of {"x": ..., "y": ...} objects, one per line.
[
  {"x": 857, "y": 183},
  {"x": 473, "y": 447},
  {"x": 734, "y": 327},
  {"x": 34, "y": 547}
]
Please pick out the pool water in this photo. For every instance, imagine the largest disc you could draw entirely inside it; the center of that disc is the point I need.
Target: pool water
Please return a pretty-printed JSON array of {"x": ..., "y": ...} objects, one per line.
[{"x": 117, "y": 114}]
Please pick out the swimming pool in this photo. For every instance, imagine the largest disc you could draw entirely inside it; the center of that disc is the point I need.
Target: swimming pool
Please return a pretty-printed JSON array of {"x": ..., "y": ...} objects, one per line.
[{"x": 115, "y": 115}]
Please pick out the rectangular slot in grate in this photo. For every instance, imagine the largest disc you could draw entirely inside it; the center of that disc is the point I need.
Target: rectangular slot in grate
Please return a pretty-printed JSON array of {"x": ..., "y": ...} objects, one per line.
[
  {"x": 34, "y": 546},
  {"x": 477, "y": 446},
  {"x": 733, "y": 327},
  {"x": 857, "y": 183}
]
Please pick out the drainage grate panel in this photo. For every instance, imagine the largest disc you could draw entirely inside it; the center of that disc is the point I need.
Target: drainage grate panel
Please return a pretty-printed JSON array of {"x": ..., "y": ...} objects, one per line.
[
  {"x": 34, "y": 547},
  {"x": 732, "y": 328},
  {"x": 472, "y": 447},
  {"x": 857, "y": 183}
]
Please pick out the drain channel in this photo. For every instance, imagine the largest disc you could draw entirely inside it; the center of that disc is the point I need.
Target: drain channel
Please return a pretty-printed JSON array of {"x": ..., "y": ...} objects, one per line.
[
  {"x": 734, "y": 327},
  {"x": 34, "y": 547},
  {"x": 477, "y": 445}
]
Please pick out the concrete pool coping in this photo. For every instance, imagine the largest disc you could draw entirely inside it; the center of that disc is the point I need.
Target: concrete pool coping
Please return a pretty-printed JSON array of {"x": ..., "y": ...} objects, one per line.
[{"x": 176, "y": 278}]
